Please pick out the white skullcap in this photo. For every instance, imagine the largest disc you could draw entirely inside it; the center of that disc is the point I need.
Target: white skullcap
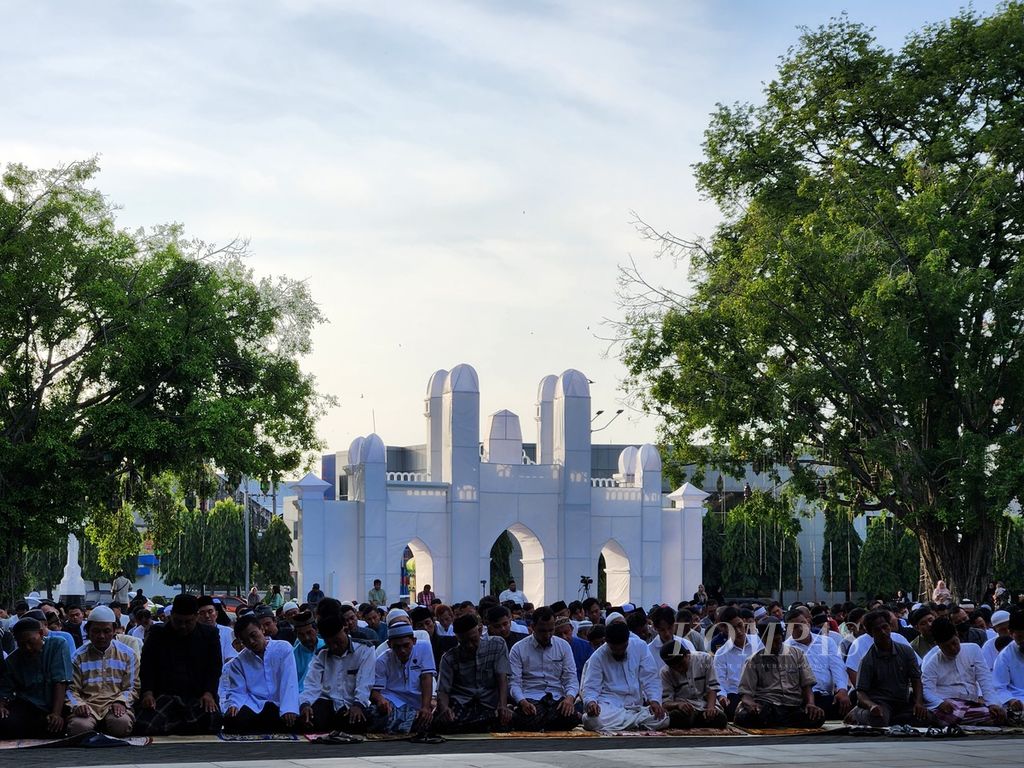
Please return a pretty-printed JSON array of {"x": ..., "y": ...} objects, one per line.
[{"x": 1000, "y": 617}]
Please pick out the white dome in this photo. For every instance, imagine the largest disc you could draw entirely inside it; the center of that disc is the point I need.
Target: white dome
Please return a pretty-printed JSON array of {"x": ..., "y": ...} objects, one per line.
[
  {"x": 627, "y": 461},
  {"x": 435, "y": 387},
  {"x": 648, "y": 459},
  {"x": 572, "y": 383},
  {"x": 354, "y": 449},
  {"x": 546, "y": 389},
  {"x": 373, "y": 451},
  {"x": 462, "y": 378}
]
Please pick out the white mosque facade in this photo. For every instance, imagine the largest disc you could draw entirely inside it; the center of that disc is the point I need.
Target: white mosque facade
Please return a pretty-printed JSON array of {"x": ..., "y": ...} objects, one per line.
[{"x": 472, "y": 491}]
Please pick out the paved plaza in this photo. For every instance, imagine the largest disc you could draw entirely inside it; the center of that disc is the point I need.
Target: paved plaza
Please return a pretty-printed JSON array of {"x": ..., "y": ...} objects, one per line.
[{"x": 609, "y": 753}]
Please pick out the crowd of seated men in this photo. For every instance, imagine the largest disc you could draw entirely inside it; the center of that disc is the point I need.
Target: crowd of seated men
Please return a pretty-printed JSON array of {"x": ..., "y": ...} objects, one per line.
[{"x": 427, "y": 670}]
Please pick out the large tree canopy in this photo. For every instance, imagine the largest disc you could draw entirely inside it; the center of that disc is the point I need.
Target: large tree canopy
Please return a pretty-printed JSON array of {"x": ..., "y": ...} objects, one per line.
[
  {"x": 125, "y": 354},
  {"x": 862, "y": 300}
]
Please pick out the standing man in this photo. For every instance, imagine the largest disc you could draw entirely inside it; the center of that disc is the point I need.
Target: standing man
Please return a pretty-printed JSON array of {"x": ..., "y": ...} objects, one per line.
[
  {"x": 104, "y": 680},
  {"x": 119, "y": 589},
  {"x": 33, "y": 687},
  {"x": 512, "y": 594},
  {"x": 622, "y": 685},
  {"x": 544, "y": 683},
  {"x": 472, "y": 684},
  {"x": 314, "y": 596},
  {"x": 181, "y": 667},
  {"x": 377, "y": 595}
]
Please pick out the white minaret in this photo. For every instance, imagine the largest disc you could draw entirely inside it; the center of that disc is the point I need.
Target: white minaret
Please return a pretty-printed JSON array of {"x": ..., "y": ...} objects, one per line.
[
  {"x": 571, "y": 449},
  {"x": 72, "y": 585},
  {"x": 433, "y": 411},
  {"x": 546, "y": 419},
  {"x": 460, "y": 466}
]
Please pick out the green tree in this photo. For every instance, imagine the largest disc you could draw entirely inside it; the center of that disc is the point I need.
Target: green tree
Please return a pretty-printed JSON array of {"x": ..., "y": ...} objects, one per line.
[
  {"x": 889, "y": 559},
  {"x": 840, "y": 552},
  {"x": 182, "y": 559},
  {"x": 501, "y": 565},
  {"x": 274, "y": 553},
  {"x": 161, "y": 508},
  {"x": 1008, "y": 564},
  {"x": 44, "y": 568},
  {"x": 117, "y": 541},
  {"x": 712, "y": 541},
  {"x": 224, "y": 553},
  {"x": 859, "y": 306},
  {"x": 760, "y": 552},
  {"x": 127, "y": 354}
]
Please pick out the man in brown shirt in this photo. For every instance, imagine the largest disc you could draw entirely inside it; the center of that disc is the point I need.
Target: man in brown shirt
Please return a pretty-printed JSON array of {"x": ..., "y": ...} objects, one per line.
[{"x": 777, "y": 686}]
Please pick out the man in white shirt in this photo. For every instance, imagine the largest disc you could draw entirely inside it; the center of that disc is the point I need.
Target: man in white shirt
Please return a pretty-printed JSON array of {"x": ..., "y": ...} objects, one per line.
[
  {"x": 1001, "y": 628},
  {"x": 512, "y": 594},
  {"x": 1008, "y": 673},
  {"x": 336, "y": 691},
  {"x": 957, "y": 683},
  {"x": 208, "y": 616},
  {"x": 119, "y": 589},
  {"x": 730, "y": 658},
  {"x": 663, "y": 620},
  {"x": 403, "y": 683},
  {"x": 260, "y": 689},
  {"x": 831, "y": 693},
  {"x": 622, "y": 685},
  {"x": 543, "y": 685}
]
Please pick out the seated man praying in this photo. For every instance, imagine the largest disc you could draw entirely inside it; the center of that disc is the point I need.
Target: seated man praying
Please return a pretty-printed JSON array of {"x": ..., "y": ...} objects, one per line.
[
  {"x": 622, "y": 685},
  {"x": 104, "y": 680},
  {"x": 777, "y": 685},
  {"x": 544, "y": 683},
  {"x": 260, "y": 686},
  {"x": 472, "y": 683},
  {"x": 957, "y": 683},
  {"x": 403, "y": 683},
  {"x": 336, "y": 694},
  {"x": 33, "y": 686},
  {"x": 689, "y": 688}
]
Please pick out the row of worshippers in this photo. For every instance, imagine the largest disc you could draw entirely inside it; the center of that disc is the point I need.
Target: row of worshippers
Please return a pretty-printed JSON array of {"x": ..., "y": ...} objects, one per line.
[{"x": 334, "y": 678}]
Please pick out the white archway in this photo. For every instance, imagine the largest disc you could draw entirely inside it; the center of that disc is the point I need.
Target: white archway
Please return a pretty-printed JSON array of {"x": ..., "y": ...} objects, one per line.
[
  {"x": 424, "y": 570},
  {"x": 533, "y": 563},
  {"x": 616, "y": 572}
]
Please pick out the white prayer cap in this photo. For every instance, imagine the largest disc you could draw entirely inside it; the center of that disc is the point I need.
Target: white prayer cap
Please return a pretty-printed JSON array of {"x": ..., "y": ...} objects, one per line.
[
  {"x": 915, "y": 606},
  {"x": 613, "y": 617},
  {"x": 1000, "y": 617},
  {"x": 291, "y": 605},
  {"x": 396, "y": 613},
  {"x": 760, "y": 613},
  {"x": 100, "y": 614}
]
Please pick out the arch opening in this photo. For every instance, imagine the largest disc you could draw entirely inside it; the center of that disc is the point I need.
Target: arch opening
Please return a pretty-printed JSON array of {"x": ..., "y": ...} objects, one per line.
[
  {"x": 613, "y": 573},
  {"x": 417, "y": 569},
  {"x": 518, "y": 554}
]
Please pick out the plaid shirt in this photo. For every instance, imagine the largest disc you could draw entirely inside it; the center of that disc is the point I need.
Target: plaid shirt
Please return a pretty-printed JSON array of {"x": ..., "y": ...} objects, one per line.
[{"x": 465, "y": 676}]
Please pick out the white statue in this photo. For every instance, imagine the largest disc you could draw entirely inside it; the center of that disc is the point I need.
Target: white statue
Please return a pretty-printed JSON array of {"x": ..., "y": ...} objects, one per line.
[{"x": 72, "y": 584}]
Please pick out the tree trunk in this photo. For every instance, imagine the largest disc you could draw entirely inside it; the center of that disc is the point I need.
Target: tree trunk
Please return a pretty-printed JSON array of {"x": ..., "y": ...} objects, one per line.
[
  {"x": 12, "y": 567},
  {"x": 963, "y": 564}
]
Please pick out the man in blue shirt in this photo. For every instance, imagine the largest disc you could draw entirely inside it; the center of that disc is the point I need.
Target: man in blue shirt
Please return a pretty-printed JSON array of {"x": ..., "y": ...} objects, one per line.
[
  {"x": 403, "y": 683},
  {"x": 581, "y": 649},
  {"x": 306, "y": 645},
  {"x": 33, "y": 688}
]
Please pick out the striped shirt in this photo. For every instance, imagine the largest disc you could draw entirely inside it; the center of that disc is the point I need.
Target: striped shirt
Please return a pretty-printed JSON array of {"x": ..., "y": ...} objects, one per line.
[{"x": 99, "y": 679}]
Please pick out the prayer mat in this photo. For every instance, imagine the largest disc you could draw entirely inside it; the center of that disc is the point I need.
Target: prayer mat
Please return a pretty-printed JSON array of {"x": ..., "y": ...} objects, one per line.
[
  {"x": 81, "y": 740},
  {"x": 258, "y": 736},
  {"x": 575, "y": 734},
  {"x": 784, "y": 731}
]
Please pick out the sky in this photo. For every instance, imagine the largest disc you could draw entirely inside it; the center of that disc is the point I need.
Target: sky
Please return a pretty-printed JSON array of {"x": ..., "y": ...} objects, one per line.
[{"x": 455, "y": 180}]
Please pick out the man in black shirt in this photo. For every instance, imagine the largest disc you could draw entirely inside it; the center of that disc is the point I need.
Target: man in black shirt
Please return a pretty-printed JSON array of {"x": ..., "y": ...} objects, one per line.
[
  {"x": 499, "y": 624},
  {"x": 181, "y": 667},
  {"x": 889, "y": 680}
]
